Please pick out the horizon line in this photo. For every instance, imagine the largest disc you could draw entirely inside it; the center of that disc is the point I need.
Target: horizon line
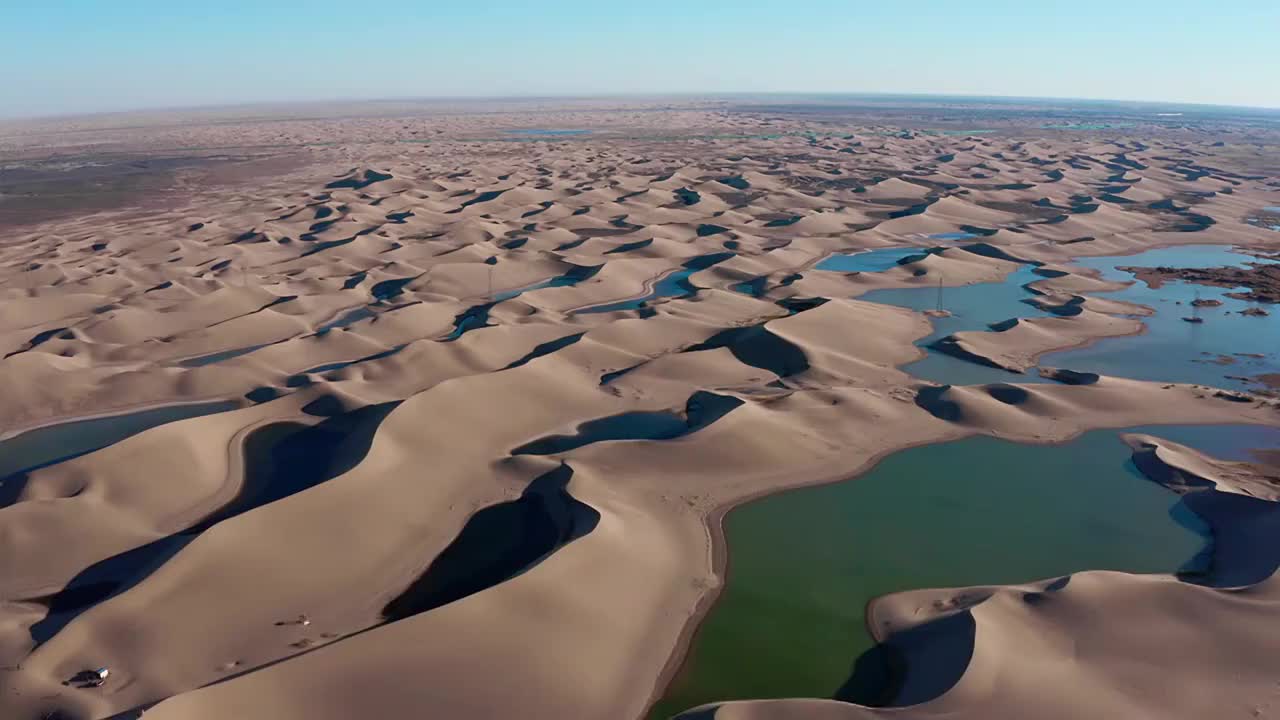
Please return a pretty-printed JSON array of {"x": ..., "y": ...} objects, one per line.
[{"x": 689, "y": 94}]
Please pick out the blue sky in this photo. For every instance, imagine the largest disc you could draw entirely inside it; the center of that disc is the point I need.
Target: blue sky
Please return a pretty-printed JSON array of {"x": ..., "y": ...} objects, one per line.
[{"x": 66, "y": 56}]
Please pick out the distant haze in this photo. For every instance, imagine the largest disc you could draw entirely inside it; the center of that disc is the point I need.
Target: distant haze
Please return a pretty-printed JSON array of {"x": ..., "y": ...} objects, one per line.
[{"x": 75, "y": 56}]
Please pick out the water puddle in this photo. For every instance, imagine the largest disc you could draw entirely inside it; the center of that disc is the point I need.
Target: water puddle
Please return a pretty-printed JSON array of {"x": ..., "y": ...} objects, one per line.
[
  {"x": 877, "y": 260},
  {"x": 300, "y": 379},
  {"x": 477, "y": 316},
  {"x": 675, "y": 284},
  {"x": 575, "y": 275},
  {"x": 55, "y": 443}
]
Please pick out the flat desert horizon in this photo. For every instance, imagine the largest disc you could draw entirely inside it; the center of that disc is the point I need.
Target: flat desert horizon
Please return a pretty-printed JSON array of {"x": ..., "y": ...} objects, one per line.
[{"x": 732, "y": 407}]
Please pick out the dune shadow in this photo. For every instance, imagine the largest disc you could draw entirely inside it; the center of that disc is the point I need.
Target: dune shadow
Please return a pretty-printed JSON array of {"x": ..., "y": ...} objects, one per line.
[
  {"x": 1244, "y": 546},
  {"x": 1245, "y": 530},
  {"x": 933, "y": 399},
  {"x": 951, "y": 346},
  {"x": 876, "y": 678},
  {"x": 1069, "y": 377},
  {"x": 280, "y": 460},
  {"x": 1008, "y": 394},
  {"x": 702, "y": 409},
  {"x": 498, "y": 543},
  {"x": 757, "y": 347},
  {"x": 11, "y": 488},
  {"x": 913, "y": 666},
  {"x": 546, "y": 348}
]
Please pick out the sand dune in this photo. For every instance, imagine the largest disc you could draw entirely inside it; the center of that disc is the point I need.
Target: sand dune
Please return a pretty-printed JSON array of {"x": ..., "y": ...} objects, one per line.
[{"x": 495, "y": 394}]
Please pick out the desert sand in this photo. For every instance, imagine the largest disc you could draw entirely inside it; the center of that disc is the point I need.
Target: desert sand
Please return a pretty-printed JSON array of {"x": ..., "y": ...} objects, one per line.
[{"x": 494, "y": 392}]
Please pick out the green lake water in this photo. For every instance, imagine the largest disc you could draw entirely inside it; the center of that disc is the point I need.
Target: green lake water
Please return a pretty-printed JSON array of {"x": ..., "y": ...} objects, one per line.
[{"x": 803, "y": 564}]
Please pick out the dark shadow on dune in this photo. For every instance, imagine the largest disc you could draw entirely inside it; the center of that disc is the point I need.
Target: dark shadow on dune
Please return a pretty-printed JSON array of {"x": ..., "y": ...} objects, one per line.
[
  {"x": 387, "y": 289},
  {"x": 1008, "y": 394},
  {"x": 1246, "y": 538},
  {"x": 1069, "y": 377},
  {"x": 628, "y": 247},
  {"x": 757, "y": 347},
  {"x": 280, "y": 460},
  {"x": 1245, "y": 549},
  {"x": 359, "y": 182},
  {"x": 687, "y": 196},
  {"x": 913, "y": 666},
  {"x": 40, "y": 338},
  {"x": 543, "y": 206},
  {"x": 621, "y": 223},
  {"x": 755, "y": 287},
  {"x": 917, "y": 209},
  {"x": 11, "y": 488},
  {"x": 783, "y": 222},
  {"x": 481, "y": 198},
  {"x": 321, "y": 247},
  {"x": 612, "y": 375},
  {"x": 950, "y": 346},
  {"x": 547, "y": 348},
  {"x": 1070, "y": 308},
  {"x": 498, "y": 543},
  {"x": 979, "y": 231},
  {"x": 570, "y": 245},
  {"x": 217, "y": 357},
  {"x": 795, "y": 305},
  {"x": 933, "y": 399},
  {"x": 702, "y": 409},
  {"x": 473, "y": 318},
  {"x": 264, "y": 393},
  {"x": 1004, "y": 325},
  {"x": 1195, "y": 222},
  {"x": 991, "y": 251},
  {"x": 876, "y": 678}
]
